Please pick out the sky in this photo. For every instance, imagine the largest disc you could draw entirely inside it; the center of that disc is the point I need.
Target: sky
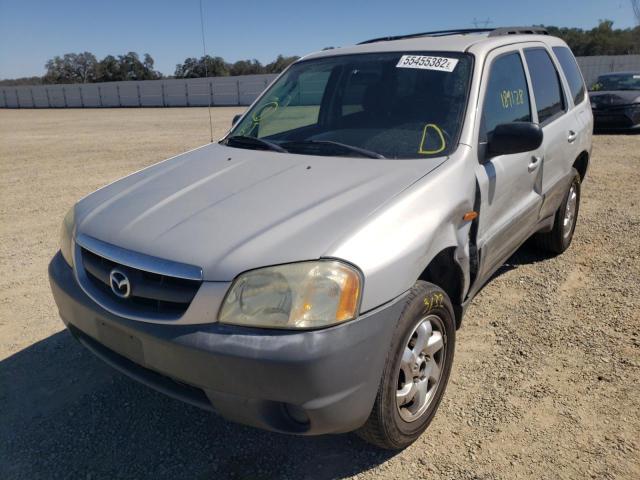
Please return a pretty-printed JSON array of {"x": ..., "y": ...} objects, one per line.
[{"x": 33, "y": 31}]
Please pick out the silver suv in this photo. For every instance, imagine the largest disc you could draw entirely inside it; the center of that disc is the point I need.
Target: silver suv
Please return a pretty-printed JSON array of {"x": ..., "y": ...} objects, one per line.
[{"x": 307, "y": 274}]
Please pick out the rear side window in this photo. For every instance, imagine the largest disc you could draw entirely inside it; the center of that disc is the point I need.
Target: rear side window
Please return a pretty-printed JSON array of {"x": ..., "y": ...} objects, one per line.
[
  {"x": 546, "y": 85},
  {"x": 507, "y": 96},
  {"x": 572, "y": 72}
]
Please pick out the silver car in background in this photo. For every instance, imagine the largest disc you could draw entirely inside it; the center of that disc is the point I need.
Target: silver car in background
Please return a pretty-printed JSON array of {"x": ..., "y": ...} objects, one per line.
[{"x": 307, "y": 274}]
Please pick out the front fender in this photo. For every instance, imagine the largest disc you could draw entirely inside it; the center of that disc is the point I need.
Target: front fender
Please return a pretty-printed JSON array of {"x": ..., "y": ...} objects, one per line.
[{"x": 394, "y": 245}]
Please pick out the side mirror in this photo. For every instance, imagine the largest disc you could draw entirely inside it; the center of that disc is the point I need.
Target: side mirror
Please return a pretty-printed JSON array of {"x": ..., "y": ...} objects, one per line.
[
  {"x": 236, "y": 118},
  {"x": 515, "y": 137}
]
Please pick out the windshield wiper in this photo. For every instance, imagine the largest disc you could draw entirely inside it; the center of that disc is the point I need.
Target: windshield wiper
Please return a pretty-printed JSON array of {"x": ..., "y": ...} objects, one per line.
[
  {"x": 244, "y": 141},
  {"x": 362, "y": 151}
]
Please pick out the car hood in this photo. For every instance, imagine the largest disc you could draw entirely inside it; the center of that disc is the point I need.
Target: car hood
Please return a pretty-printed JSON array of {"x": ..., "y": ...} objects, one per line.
[
  {"x": 606, "y": 98},
  {"x": 228, "y": 210}
]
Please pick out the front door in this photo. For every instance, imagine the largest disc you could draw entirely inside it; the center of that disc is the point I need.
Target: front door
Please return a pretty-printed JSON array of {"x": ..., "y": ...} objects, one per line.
[{"x": 510, "y": 196}]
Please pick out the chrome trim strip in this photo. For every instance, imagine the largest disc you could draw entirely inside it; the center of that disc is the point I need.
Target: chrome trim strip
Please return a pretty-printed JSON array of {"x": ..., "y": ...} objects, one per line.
[
  {"x": 203, "y": 308},
  {"x": 139, "y": 261}
]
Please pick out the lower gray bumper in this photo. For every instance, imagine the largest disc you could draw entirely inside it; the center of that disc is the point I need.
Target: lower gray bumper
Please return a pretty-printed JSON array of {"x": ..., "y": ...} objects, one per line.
[
  {"x": 314, "y": 382},
  {"x": 617, "y": 118}
]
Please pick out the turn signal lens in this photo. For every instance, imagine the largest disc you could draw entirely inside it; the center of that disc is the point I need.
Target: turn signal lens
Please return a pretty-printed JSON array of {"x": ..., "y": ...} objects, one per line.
[{"x": 348, "y": 304}]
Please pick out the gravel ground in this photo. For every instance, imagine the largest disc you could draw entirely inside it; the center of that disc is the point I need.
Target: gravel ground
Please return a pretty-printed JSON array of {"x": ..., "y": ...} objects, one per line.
[{"x": 546, "y": 382}]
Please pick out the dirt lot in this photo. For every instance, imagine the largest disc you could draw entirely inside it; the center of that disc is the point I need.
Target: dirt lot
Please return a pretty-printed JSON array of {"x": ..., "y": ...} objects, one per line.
[{"x": 546, "y": 382}]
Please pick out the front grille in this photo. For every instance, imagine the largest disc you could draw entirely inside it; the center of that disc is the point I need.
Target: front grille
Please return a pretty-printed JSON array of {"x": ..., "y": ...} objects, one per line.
[{"x": 151, "y": 293}]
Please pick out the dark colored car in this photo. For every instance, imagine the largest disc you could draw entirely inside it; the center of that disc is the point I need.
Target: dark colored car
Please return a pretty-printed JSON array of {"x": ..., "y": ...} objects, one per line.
[{"x": 615, "y": 101}]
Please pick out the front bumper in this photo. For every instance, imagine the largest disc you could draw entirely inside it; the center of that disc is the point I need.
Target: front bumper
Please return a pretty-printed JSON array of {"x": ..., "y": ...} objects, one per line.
[
  {"x": 314, "y": 382},
  {"x": 617, "y": 117}
]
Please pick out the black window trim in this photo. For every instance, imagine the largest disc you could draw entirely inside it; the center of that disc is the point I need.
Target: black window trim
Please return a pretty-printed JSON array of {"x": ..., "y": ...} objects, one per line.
[{"x": 565, "y": 104}]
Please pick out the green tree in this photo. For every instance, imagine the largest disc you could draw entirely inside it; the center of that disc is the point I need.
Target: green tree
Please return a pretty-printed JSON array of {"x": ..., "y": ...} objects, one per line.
[
  {"x": 246, "y": 67},
  {"x": 202, "y": 67},
  {"x": 109, "y": 70},
  {"x": 71, "y": 68},
  {"x": 21, "y": 81},
  {"x": 131, "y": 68},
  {"x": 601, "y": 40},
  {"x": 279, "y": 64}
]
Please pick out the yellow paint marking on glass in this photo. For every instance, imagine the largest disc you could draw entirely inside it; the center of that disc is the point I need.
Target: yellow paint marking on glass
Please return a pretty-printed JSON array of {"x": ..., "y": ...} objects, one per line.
[
  {"x": 443, "y": 143},
  {"x": 265, "y": 111}
]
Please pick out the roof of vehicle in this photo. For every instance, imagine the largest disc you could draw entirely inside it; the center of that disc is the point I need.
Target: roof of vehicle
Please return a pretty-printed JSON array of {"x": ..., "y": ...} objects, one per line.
[
  {"x": 613, "y": 74},
  {"x": 444, "y": 42}
]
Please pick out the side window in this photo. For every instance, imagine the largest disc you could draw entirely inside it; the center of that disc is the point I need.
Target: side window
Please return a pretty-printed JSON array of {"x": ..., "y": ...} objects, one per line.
[
  {"x": 545, "y": 81},
  {"x": 507, "y": 97},
  {"x": 571, "y": 72}
]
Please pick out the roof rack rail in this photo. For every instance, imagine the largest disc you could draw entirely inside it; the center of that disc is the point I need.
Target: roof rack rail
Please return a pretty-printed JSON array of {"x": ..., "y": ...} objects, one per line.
[
  {"x": 493, "y": 32},
  {"x": 497, "y": 32},
  {"x": 436, "y": 33}
]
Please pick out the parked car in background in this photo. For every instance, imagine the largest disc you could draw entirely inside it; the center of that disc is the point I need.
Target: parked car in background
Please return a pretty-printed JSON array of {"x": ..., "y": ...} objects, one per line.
[
  {"x": 307, "y": 273},
  {"x": 615, "y": 101}
]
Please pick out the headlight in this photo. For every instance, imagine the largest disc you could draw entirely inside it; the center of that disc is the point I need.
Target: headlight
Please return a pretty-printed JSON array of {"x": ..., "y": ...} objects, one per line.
[
  {"x": 66, "y": 232},
  {"x": 298, "y": 295}
]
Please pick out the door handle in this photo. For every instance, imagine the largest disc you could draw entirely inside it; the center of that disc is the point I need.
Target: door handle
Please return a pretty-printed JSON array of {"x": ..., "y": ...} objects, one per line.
[
  {"x": 535, "y": 163},
  {"x": 571, "y": 137}
]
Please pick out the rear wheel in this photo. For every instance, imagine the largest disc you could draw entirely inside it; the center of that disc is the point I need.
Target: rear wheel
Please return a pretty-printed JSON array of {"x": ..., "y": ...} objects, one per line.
[
  {"x": 416, "y": 372},
  {"x": 564, "y": 224}
]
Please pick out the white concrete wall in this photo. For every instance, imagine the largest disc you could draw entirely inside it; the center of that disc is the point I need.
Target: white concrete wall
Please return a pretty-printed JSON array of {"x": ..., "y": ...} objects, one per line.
[
  {"x": 147, "y": 93},
  {"x": 199, "y": 91}
]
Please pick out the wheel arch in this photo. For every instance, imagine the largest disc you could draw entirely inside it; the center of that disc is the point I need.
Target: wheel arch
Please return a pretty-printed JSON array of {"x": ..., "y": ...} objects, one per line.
[
  {"x": 581, "y": 164},
  {"x": 444, "y": 271}
]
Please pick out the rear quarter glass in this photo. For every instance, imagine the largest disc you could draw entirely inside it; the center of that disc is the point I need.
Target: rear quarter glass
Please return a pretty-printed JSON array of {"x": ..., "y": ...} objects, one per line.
[{"x": 571, "y": 72}]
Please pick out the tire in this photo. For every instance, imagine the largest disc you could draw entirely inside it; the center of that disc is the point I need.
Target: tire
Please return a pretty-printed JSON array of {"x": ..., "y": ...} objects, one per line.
[
  {"x": 390, "y": 425},
  {"x": 559, "y": 238}
]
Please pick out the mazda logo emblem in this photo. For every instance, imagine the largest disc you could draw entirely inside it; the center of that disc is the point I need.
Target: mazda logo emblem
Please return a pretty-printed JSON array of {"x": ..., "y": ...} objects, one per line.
[{"x": 119, "y": 283}]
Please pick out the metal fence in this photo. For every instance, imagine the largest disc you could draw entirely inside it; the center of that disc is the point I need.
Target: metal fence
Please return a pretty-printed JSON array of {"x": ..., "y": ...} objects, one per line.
[
  {"x": 191, "y": 92},
  {"x": 593, "y": 66},
  {"x": 198, "y": 92}
]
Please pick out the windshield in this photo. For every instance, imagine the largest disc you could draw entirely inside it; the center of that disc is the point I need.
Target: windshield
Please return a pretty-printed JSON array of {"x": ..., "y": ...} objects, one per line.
[
  {"x": 630, "y": 81},
  {"x": 390, "y": 105}
]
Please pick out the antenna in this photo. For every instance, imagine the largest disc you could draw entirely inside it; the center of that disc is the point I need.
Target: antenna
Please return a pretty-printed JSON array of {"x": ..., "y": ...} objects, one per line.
[{"x": 206, "y": 71}]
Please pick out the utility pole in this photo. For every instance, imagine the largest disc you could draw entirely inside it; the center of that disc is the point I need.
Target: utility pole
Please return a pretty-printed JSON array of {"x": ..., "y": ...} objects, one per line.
[
  {"x": 485, "y": 23},
  {"x": 635, "y": 5}
]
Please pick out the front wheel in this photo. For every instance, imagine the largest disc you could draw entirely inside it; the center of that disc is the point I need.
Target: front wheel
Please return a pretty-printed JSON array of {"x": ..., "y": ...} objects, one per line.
[{"x": 416, "y": 371}]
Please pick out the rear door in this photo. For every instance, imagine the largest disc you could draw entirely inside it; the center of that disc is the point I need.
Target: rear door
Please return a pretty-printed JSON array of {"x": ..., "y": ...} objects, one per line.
[
  {"x": 559, "y": 127},
  {"x": 509, "y": 184}
]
